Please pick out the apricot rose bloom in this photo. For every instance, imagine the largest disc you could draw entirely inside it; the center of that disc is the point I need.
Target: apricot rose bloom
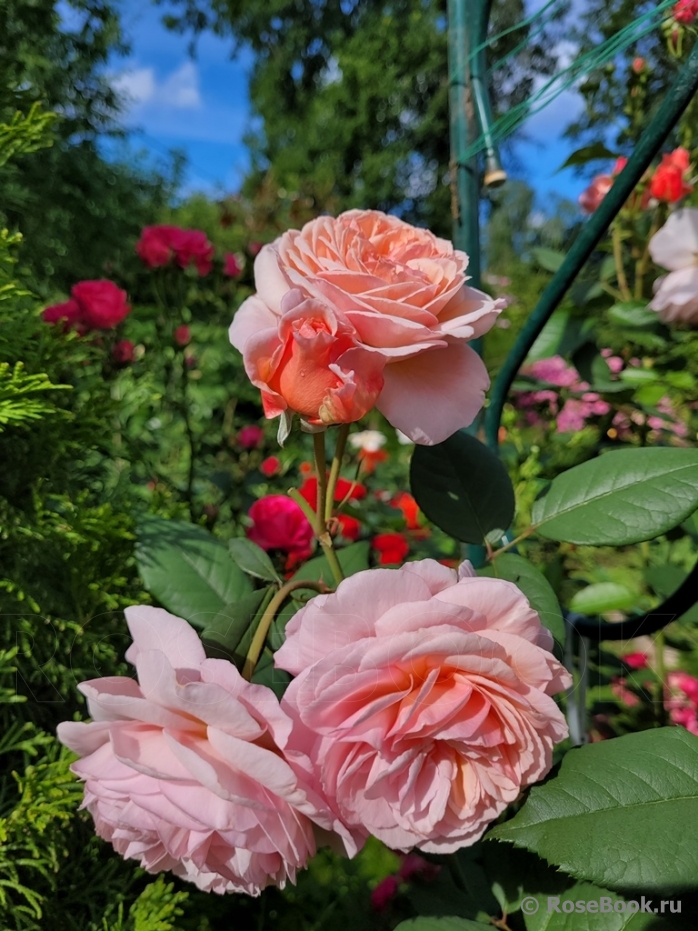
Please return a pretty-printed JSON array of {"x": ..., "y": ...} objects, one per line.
[
  {"x": 184, "y": 770},
  {"x": 365, "y": 310},
  {"x": 422, "y": 699}
]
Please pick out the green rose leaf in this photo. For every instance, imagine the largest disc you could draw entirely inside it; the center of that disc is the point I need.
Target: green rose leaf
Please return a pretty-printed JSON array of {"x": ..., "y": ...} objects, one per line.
[
  {"x": 462, "y": 487},
  {"x": 536, "y": 588},
  {"x": 601, "y": 597},
  {"x": 633, "y": 314},
  {"x": 188, "y": 570},
  {"x": 266, "y": 673},
  {"x": 620, "y": 497},
  {"x": 252, "y": 559},
  {"x": 616, "y": 814},
  {"x": 224, "y": 633},
  {"x": 548, "y": 259},
  {"x": 352, "y": 559},
  {"x": 588, "y": 153}
]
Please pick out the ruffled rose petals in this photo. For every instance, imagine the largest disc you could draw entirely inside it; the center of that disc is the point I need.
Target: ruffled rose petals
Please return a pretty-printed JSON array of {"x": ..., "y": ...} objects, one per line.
[{"x": 422, "y": 701}]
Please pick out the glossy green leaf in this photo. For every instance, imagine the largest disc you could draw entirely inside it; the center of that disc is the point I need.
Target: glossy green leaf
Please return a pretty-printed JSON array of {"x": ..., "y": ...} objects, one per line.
[
  {"x": 224, "y": 633},
  {"x": 188, "y": 570},
  {"x": 588, "y": 153},
  {"x": 252, "y": 559},
  {"x": 550, "y": 337},
  {"x": 601, "y": 597},
  {"x": 594, "y": 369},
  {"x": 632, "y": 314},
  {"x": 266, "y": 673},
  {"x": 352, "y": 559},
  {"x": 536, "y": 588},
  {"x": 620, "y": 497},
  {"x": 462, "y": 487},
  {"x": 548, "y": 259},
  {"x": 617, "y": 813}
]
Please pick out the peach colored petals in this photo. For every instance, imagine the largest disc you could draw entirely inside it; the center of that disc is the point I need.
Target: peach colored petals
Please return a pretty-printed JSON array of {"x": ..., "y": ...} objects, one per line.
[
  {"x": 366, "y": 311},
  {"x": 184, "y": 769},
  {"x": 423, "y": 699},
  {"x": 675, "y": 247}
]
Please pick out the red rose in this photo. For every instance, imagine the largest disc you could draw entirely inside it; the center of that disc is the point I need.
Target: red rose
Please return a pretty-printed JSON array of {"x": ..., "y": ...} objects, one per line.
[
  {"x": 250, "y": 437},
  {"x": 685, "y": 11},
  {"x": 155, "y": 247},
  {"x": 280, "y": 524},
  {"x": 182, "y": 335},
  {"x": 342, "y": 489},
  {"x": 102, "y": 304},
  {"x": 409, "y": 507},
  {"x": 123, "y": 352},
  {"x": 391, "y": 547},
  {"x": 231, "y": 266},
  {"x": 68, "y": 311},
  {"x": 349, "y": 527},
  {"x": 192, "y": 247},
  {"x": 270, "y": 466},
  {"x": 668, "y": 183}
]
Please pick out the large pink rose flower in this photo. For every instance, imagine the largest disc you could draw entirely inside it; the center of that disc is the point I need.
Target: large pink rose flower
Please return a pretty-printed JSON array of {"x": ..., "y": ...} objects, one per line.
[
  {"x": 423, "y": 700},
  {"x": 365, "y": 310},
  {"x": 184, "y": 769}
]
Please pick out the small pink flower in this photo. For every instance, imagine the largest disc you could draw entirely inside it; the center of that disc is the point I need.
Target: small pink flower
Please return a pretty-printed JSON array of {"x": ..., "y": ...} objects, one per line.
[
  {"x": 270, "y": 466},
  {"x": 182, "y": 335},
  {"x": 68, "y": 312},
  {"x": 675, "y": 247},
  {"x": 123, "y": 352},
  {"x": 184, "y": 769},
  {"x": 636, "y": 660},
  {"x": 590, "y": 199},
  {"x": 231, "y": 266},
  {"x": 250, "y": 437},
  {"x": 423, "y": 699},
  {"x": 280, "y": 524},
  {"x": 622, "y": 693},
  {"x": 385, "y": 892}
]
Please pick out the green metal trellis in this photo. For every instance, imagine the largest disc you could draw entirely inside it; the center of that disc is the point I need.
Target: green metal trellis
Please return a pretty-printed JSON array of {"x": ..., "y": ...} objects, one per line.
[{"x": 471, "y": 122}]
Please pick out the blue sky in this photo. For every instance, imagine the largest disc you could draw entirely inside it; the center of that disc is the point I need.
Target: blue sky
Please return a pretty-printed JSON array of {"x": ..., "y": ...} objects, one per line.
[{"x": 200, "y": 106}]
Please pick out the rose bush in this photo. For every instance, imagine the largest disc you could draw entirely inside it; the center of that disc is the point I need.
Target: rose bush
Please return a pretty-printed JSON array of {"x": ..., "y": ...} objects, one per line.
[{"x": 365, "y": 310}]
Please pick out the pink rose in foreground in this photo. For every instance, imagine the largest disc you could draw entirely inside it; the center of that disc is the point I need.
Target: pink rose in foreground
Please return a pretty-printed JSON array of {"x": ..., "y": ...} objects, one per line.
[
  {"x": 423, "y": 701},
  {"x": 184, "y": 768},
  {"x": 280, "y": 524},
  {"x": 675, "y": 247},
  {"x": 365, "y": 310},
  {"x": 102, "y": 304}
]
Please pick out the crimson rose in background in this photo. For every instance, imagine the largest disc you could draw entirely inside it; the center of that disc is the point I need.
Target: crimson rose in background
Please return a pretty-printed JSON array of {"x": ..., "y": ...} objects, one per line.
[
  {"x": 422, "y": 701},
  {"x": 161, "y": 245},
  {"x": 280, "y": 524},
  {"x": 94, "y": 305},
  {"x": 184, "y": 769},
  {"x": 366, "y": 311}
]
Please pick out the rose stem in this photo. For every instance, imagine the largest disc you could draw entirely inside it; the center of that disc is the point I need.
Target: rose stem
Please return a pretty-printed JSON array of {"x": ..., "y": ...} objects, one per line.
[
  {"x": 190, "y": 437},
  {"x": 324, "y": 539},
  {"x": 335, "y": 468},
  {"x": 260, "y": 635}
]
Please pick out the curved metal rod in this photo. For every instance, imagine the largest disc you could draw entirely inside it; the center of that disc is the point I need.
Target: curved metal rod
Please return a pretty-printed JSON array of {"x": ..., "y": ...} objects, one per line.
[
  {"x": 677, "y": 604},
  {"x": 677, "y": 99}
]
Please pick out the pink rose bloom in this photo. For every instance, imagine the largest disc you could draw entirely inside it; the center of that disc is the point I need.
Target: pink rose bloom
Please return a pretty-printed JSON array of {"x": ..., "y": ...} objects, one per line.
[
  {"x": 685, "y": 11},
  {"x": 365, "y": 310},
  {"x": 123, "y": 352},
  {"x": 184, "y": 768},
  {"x": 622, "y": 693},
  {"x": 182, "y": 335},
  {"x": 636, "y": 660},
  {"x": 590, "y": 199},
  {"x": 231, "y": 266},
  {"x": 423, "y": 699},
  {"x": 192, "y": 247},
  {"x": 675, "y": 247},
  {"x": 555, "y": 371},
  {"x": 280, "y": 524}
]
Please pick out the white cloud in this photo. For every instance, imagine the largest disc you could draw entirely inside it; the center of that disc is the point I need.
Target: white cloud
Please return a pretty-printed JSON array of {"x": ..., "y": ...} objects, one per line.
[{"x": 178, "y": 90}]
